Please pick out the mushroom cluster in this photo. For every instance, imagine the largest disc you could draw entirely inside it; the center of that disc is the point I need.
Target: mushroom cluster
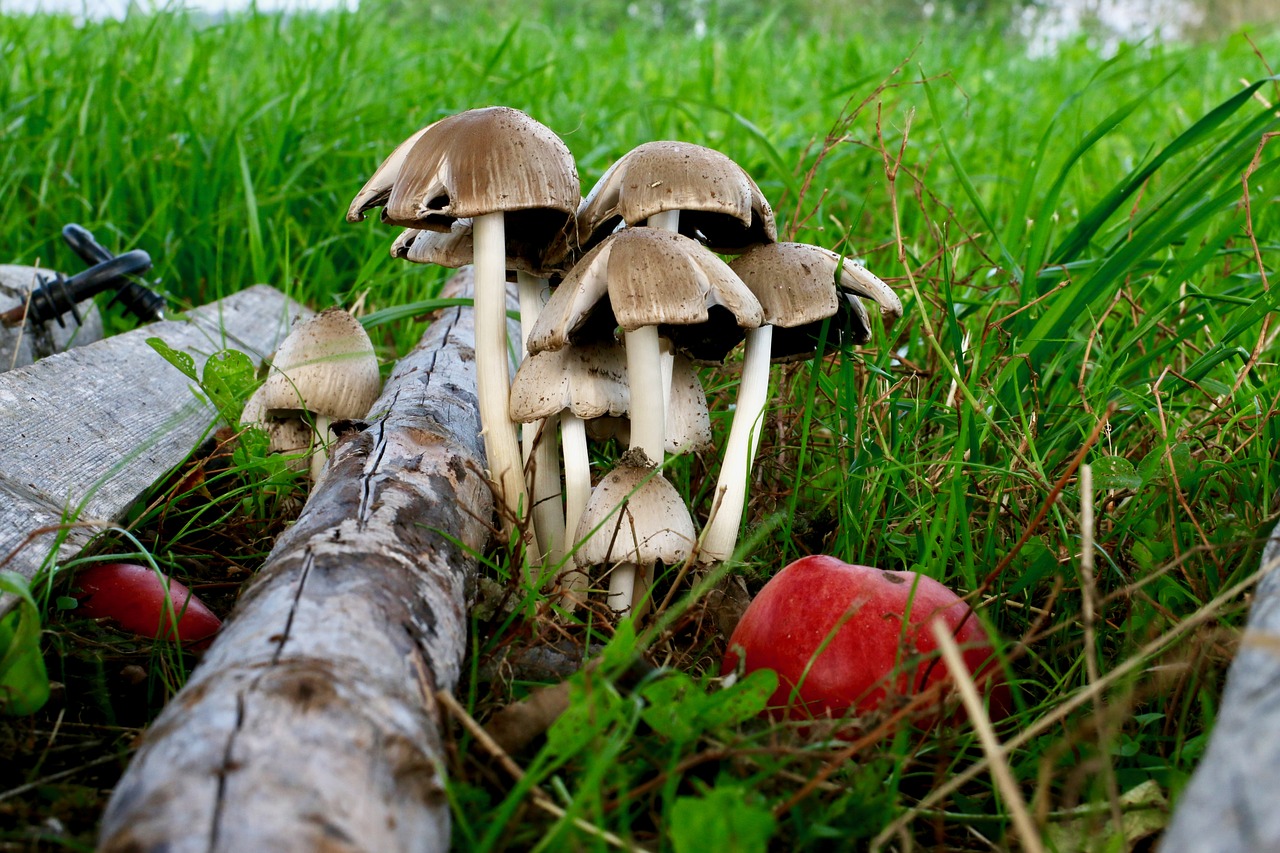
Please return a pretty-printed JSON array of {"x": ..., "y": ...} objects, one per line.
[{"x": 621, "y": 293}]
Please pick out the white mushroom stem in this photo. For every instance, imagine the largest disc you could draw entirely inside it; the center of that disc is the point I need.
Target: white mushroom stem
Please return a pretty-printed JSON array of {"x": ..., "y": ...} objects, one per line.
[
  {"x": 493, "y": 372},
  {"x": 320, "y": 443},
  {"x": 721, "y": 534},
  {"x": 648, "y": 433},
  {"x": 644, "y": 378},
  {"x": 667, "y": 220},
  {"x": 577, "y": 490},
  {"x": 622, "y": 587},
  {"x": 539, "y": 440}
]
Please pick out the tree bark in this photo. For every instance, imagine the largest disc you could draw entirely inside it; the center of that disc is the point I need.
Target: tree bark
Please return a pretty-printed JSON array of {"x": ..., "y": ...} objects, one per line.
[
  {"x": 1230, "y": 804},
  {"x": 311, "y": 723}
]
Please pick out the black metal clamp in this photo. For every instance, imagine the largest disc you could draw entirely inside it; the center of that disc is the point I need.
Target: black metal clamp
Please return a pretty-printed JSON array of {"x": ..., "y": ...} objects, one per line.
[
  {"x": 136, "y": 298},
  {"x": 59, "y": 295}
]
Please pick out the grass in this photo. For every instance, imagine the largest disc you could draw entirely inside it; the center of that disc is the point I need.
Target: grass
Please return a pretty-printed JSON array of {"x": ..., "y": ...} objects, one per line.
[{"x": 1083, "y": 247}]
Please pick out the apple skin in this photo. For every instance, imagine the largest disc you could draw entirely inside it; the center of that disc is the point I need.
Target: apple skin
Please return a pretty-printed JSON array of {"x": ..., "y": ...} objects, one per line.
[
  {"x": 132, "y": 597},
  {"x": 796, "y": 611}
]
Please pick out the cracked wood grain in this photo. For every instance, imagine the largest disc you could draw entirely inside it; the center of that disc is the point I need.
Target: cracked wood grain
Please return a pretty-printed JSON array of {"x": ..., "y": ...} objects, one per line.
[{"x": 311, "y": 723}]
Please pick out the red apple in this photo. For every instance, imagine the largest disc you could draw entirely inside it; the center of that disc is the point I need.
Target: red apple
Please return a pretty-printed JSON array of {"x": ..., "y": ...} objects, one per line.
[
  {"x": 133, "y": 597},
  {"x": 866, "y": 632}
]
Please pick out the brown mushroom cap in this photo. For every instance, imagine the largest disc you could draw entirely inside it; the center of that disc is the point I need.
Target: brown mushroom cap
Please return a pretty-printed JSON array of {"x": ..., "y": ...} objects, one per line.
[
  {"x": 798, "y": 288},
  {"x": 378, "y": 188},
  {"x": 718, "y": 201},
  {"x": 484, "y": 161},
  {"x": 590, "y": 380},
  {"x": 650, "y": 277}
]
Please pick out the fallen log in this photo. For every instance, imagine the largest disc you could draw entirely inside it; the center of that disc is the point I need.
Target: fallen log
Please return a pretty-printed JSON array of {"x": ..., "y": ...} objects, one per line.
[
  {"x": 1229, "y": 805},
  {"x": 93, "y": 427},
  {"x": 311, "y": 723}
]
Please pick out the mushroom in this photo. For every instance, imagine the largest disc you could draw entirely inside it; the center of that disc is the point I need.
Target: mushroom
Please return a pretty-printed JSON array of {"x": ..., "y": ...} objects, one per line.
[
  {"x": 685, "y": 188},
  {"x": 717, "y": 201},
  {"x": 587, "y": 382},
  {"x": 652, "y": 283},
  {"x": 517, "y": 182},
  {"x": 634, "y": 520},
  {"x": 799, "y": 286},
  {"x": 325, "y": 370}
]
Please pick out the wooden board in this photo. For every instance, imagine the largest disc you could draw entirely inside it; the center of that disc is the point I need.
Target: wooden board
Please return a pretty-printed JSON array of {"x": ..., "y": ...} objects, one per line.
[
  {"x": 311, "y": 723},
  {"x": 1230, "y": 804},
  {"x": 85, "y": 432}
]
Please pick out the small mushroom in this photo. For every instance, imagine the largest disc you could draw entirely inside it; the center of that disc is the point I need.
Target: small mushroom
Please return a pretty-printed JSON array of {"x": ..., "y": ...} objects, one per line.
[
  {"x": 325, "y": 370},
  {"x": 634, "y": 520}
]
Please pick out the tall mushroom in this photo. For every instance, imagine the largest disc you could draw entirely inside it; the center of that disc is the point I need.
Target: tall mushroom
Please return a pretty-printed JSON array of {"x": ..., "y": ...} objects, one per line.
[
  {"x": 717, "y": 201},
  {"x": 453, "y": 249},
  {"x": 518, "y": 183},
  {"x": 799, "y": 286}
]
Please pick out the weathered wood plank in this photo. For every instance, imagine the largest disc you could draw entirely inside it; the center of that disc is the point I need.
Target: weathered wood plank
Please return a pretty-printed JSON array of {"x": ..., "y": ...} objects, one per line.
[
  {"x": 88, "y": 430},
  {"x": 1230, "y": 804},
  {"x": 311, "y": 724}
]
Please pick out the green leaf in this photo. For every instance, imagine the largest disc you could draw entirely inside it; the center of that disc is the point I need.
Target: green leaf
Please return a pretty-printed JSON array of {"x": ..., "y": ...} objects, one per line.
[
  {"x": 228, "y": 380},
  {"x": 679, "y": 708},
  {"x": 1115, "y": 472},
  {"x": 741, "y": 702},
  {"x": 24, "y": 683},
  {"x": 674, "y": 705},
  {"x": 721, "y": 819},
  {"x": 179, "y": 359},
  {"x": 593, "y": 709}
]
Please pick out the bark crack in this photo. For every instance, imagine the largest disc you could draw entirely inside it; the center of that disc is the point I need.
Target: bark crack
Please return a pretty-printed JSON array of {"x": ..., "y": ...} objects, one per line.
[
  {"x": 367, "y": 488},
  {"x": 308, "y": 560},
  {"x": 223, "y": 770}
]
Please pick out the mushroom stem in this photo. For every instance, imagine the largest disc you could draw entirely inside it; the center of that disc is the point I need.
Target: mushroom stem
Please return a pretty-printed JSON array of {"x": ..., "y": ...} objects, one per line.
[
  {"x": 320, "y": 446},
  {"x": 539, "y": 439},
  {"x": 623, "y": 581},
  {"x": 644, "y": 377},
  {"x": 545, "y": 492},
  {"x": 648, "y": 433},
  {"x": 493, "y": 373},
  {"x": 577, "y": 491},
  {"x": 744, "y": 437},
  {"x": 527, "y": 287}
]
